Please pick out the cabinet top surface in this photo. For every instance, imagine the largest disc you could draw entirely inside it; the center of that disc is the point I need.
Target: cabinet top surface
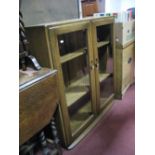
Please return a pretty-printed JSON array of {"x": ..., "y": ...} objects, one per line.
[{"x": 85, "y": 19}]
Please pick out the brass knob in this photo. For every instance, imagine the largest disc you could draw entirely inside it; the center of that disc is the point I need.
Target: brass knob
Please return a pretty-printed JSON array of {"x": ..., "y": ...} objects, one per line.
[
  {"x": 97, "y": 63},
  {"x": 92, "y": 67}
]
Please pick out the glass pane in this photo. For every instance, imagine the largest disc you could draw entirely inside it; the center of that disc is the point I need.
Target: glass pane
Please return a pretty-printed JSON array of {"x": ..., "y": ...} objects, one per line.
[
  {"x": 75, "y": 68},
  {"x": 105, "y": 63},
  {"x": 71, "y": 42},
  {"x": 103, "y": 33}
]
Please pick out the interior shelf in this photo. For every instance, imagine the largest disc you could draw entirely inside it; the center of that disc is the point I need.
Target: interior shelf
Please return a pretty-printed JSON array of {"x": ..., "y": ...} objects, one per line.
[
  {"x": 103, "y": 76},
  {"x": 81, "y": 116},
  {"x": 77, "y": 89},
  {"x": 105, "y": 100},
  {"x": 102, "y": 43},
  {"x": 80, "y": 88},
  {"x": 73, "y": 55}
]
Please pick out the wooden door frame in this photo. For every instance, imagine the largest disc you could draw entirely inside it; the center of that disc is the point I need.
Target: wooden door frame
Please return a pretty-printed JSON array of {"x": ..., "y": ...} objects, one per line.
[
  {"x": 54, "y": 32},
  {"x": 99, "y": 22}
]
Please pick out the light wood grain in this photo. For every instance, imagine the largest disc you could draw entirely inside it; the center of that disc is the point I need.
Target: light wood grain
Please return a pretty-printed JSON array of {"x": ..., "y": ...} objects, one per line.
[
  {"x": 80, "y": 117},
  {"x": 124, "y": 69},
  {"x": 103, "y": 76},
  {"x": 80, "y": 88},
  {"x": 71, "y": 56},
  {"x": 102, "y": 43},
  {"x": 77, "y": 89},
  {"x": 128, "y": 53}
]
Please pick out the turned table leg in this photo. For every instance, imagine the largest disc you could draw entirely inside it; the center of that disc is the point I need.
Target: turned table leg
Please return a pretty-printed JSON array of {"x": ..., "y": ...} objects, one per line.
[
  {"x": 54, "y": 132},
  {"x": 48, "y": 146},
  {"x": 44, "y": 147}
]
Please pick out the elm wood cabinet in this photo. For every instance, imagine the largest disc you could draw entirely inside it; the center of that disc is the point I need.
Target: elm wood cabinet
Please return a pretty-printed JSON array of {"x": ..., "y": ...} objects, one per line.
[
  {"x": 125, "y": 64},
  {"x": 82, "y": 63},
  {"x": 37, "y": 101}
]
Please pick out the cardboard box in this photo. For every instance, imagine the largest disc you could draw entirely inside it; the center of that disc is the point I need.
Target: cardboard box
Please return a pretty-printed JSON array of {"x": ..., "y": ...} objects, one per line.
[{"x": 125, "y": 32}]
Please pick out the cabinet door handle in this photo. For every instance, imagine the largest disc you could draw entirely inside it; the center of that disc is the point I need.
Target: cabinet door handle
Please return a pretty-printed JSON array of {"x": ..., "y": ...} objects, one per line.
[
  {"x": 129, "y": 60},
  {"x": 91, "y": 67},
  {"x": 97, "y": 65}
]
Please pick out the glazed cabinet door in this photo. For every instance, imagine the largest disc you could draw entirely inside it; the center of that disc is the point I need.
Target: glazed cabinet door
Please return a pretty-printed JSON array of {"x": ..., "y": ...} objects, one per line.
[
  {"x": 72, "y": 56},
  {"x": 103, "y": 41}
]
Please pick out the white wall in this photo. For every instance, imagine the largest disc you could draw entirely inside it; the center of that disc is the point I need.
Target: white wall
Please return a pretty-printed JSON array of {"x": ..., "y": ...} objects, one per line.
[
  {"x": 118, "y": 5},
  {"x": 101, "y": 5},
  {"x": 127, "y": 4},
  {"x": 112, "y": 5}
]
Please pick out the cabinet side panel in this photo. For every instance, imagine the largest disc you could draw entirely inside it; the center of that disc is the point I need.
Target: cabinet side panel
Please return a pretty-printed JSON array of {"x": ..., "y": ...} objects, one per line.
[
  {"x": 38, "y": 45},
  {"x": 133, "y": 65},
  {"x": 119, "y": 33}
]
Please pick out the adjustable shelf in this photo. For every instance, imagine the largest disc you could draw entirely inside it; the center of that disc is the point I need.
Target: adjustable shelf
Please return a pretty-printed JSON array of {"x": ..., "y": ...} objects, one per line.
[
  {"x": 72, "y": 55},
  {"x": 102, "y": 43},
  {"x": 103, "y": 76},
  {"x": 77, "y": 89},
  {"x": 76, "y": 120}
]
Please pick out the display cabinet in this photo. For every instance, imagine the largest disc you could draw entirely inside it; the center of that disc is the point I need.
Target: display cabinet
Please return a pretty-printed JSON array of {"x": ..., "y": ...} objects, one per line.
[{"x": 83, "y": 53}]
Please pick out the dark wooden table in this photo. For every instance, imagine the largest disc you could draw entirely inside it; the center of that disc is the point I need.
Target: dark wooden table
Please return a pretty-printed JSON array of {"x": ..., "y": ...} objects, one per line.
[{"x": 38, "y": 99}]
